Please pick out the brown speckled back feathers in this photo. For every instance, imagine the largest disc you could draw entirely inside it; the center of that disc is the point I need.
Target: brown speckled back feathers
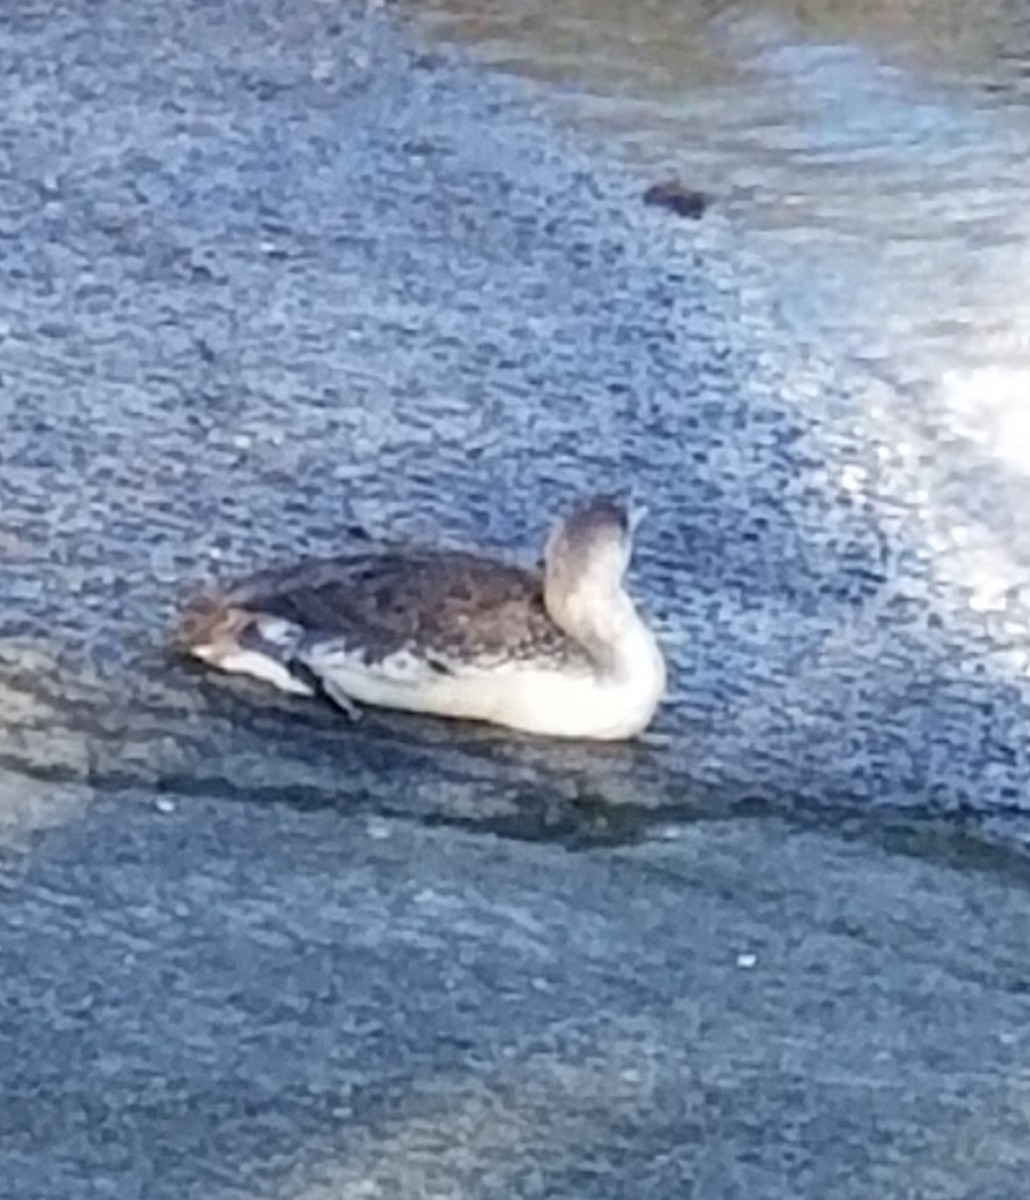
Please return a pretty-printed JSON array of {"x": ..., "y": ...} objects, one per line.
[{"x": 452, "y": 605}]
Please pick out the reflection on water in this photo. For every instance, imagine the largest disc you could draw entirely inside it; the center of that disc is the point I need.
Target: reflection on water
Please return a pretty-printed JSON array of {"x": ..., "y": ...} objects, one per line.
[
  {"x": 875, "y": 155},
  {"x": 905, "y": 183}
]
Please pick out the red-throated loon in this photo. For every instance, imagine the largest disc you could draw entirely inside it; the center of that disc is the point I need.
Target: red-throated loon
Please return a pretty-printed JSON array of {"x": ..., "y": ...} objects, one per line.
[{"x": 562, "y": 652}]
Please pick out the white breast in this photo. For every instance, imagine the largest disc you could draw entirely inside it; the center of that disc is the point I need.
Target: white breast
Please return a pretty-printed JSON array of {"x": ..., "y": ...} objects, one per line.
[{"x": 556, "y": 700}]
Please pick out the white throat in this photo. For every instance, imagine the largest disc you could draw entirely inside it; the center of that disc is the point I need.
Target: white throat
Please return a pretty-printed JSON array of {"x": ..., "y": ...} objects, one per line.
[
  {"x": 602, "y": 618},
  {"x": 635, "y": 658}
]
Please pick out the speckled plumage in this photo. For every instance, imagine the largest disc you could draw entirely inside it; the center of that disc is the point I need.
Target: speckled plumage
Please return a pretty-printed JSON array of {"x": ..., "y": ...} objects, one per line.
[
  {"x": 563, "y": 652},
  {"x": 450, "y": 607}
]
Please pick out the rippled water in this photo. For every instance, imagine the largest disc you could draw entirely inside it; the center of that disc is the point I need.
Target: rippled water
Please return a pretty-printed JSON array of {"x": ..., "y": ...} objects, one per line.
[
  {"x": 876, "y": 153},
  {"x": 283, "y": 285},
  {"x": 872, "y": 158}
]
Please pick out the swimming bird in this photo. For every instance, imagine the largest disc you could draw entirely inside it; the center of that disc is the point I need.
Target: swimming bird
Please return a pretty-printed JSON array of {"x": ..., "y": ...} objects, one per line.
[{"x": 561, "y": 652}]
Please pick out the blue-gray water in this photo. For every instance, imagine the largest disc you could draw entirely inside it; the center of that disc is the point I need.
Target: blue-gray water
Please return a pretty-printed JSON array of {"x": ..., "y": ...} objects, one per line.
[
  {"x": 230, "y": 337},
  {"x": 268, "y": 274},
  {"x": 253, "y": 302},
  {"x": 867, "y": 162}
]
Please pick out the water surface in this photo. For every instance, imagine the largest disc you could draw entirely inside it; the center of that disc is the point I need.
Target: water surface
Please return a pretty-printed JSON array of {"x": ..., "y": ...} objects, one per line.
[
  {"x": 870, "y": 159},
  {"x": 262, "y": 292},
  {"x": 875, "y": 153}
]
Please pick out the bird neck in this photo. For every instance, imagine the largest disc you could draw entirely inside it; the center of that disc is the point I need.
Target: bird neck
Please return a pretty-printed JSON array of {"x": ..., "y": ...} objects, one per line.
[{"x": 604, "y": 621}]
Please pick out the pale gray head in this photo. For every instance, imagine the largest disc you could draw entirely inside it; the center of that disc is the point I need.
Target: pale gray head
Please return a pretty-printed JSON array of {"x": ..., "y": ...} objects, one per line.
[
  {"x": 592, "y": 544},
  {"x": 585, "y": 564}
]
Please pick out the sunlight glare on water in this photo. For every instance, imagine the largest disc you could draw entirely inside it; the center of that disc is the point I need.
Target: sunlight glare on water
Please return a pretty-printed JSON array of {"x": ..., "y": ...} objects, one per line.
[{"x": 874, "y": 156}]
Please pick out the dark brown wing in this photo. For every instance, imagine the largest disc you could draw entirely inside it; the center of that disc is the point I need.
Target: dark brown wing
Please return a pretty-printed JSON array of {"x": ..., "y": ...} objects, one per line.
[{"x": 455, "y": 606}]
